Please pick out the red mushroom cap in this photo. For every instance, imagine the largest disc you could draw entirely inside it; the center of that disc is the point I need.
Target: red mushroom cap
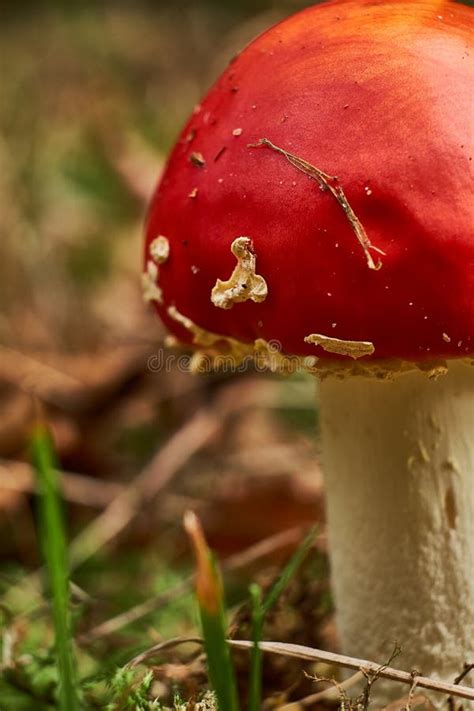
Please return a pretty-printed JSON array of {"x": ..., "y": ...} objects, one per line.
[{"x": 339, "y": 144}]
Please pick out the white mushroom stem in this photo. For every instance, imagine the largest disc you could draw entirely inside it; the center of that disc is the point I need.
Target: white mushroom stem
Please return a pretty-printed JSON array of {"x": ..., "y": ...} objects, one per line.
[{"x": 399, "y": 473}]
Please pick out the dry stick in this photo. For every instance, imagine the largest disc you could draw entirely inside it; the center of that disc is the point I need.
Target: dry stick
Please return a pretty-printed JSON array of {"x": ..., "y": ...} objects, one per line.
[
  {"x": 193, "y": 436},
  {"x": 160, "y": 647},
  {"x": 415, "y": 701},
  {"x": 239, "y": 560},
  {"x": 165, "y": 464},
  {"x": 411, "y": 693},
  {"x": 468, "y": 667},
  {"x": 340, "y": 660},
  {"x": 53, "y": 385},
  {"x": 114, "y": 624},
  {"x": 331, "y": 183},
  {"x": 292, "y": 536},
  {"x": 76, "y": 488},
  {"x": 27, "y": 372},
  {"x": 331, "y": 694}
]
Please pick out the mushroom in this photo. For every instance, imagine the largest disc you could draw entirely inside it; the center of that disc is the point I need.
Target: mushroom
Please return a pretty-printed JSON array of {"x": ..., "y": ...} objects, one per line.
[{"x": 347, "y": 203}]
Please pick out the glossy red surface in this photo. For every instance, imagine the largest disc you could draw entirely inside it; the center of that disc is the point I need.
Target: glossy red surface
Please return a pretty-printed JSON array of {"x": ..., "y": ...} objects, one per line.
[{"x": 379, "y": 94}]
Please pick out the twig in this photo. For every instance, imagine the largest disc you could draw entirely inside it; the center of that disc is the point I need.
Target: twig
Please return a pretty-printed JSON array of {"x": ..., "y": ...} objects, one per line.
[
  {"x": 330, "y": 694},
  {"x": 77, "y": 488},
  {"x": 78, "y": 391},
  {"x": 415, "y": 701},
  {"x": 302, "y": 652},
  {"x": 411, "y": 693},
  {"x": 468, "y": 667},
  {"x": 331, "y": 183},
  {"x": 290, "y": 537},
  {"x": 160, "y": 647},
  {"x": 371, "y": 677},
  {"x": 239, "y": 560},
  {"x": 114, "y": 624},
  {"x": 200, "y": 429},
  {"x": 195, "y": 434}
]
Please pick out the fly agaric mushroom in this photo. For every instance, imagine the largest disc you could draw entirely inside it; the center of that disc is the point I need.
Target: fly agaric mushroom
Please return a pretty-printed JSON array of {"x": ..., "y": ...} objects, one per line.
[{"x": 320, "y": 197}]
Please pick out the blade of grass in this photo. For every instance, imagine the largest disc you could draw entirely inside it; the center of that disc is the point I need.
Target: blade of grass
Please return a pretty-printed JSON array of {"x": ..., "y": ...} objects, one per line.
[
  {"x": 255, "y": 679},
  {"x": 54, "y": 550},
  {"x": 261, "y": 607},
  {"x": 289, "y": 570},
  {"x": 210, "y": 598}
]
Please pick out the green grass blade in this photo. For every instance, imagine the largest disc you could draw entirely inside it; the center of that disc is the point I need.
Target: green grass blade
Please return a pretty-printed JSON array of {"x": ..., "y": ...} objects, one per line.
[
  {"x": 289, "y": 571},
  {"x": 54, "y": 550},
  {"x": 219, "y": 662},
  {"x": 260, "y": 609},
  {"x": 255, "y": 680},
  {"x": 213, "y": 622}
]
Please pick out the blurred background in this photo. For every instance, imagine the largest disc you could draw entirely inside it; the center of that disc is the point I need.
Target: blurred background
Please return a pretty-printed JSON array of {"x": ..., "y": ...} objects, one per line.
[{"x": 92, "y": 97}]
